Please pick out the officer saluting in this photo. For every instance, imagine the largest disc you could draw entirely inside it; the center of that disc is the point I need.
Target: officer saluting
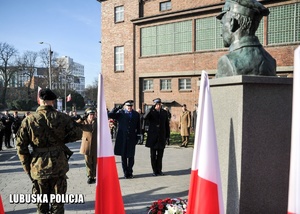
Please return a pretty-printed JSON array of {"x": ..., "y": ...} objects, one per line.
[
  {"x": 47, "y": 131},
  {"x": 159, "y": 131},
  {"x": 127, "y": 136}
]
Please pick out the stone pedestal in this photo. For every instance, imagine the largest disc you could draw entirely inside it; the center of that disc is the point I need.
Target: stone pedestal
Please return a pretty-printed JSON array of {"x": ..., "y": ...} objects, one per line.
[{"x": 253, "y": 126}]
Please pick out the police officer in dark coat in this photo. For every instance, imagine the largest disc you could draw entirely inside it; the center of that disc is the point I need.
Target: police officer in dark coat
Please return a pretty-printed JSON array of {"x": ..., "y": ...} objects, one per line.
[
  {"x": 7, "y": 121},
  {"x": 127, "y": 135},
  {"x": 159, "y": 131}
]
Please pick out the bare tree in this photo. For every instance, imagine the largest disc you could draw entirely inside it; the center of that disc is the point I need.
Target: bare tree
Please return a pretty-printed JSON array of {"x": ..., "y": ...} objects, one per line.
[
  {"x": 91, "y": 92},
  {"x": 8, "y": 66},
  {"x": 27, "y": 64},
  {"x": 44, "y": 56}
]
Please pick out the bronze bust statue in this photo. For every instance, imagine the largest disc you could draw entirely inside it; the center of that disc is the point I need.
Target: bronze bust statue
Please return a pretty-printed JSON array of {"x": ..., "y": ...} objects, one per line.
[{"x": 240, "y": 20}]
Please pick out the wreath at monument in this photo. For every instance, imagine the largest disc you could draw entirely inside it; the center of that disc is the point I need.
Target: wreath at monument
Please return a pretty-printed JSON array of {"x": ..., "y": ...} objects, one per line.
[{"x": 168, "y": 206}]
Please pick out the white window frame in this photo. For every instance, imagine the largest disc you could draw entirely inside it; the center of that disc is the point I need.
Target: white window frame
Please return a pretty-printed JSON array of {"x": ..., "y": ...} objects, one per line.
[
  {"x": 187, "y": 84},
  {"x": 119, "y": 13},
  {"x": 165, "y": 84},
  {"x": 148, "y": 85},
  {"x": 163, "y": 6},
  {"x": 119, "y": 58}
]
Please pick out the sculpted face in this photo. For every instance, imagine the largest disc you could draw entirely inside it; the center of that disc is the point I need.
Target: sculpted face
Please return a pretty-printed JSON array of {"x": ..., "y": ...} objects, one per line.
[{"x": 226, "y": 29}]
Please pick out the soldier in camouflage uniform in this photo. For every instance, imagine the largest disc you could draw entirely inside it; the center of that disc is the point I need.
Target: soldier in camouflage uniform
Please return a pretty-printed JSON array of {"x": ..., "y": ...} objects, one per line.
[{"x": 47, "y": 131}]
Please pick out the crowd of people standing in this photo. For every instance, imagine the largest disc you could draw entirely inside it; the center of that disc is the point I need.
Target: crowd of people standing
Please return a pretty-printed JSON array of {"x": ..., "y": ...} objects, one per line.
[
  {"x": 48, "y": 130},
  {"x": 9, "y": 125}
]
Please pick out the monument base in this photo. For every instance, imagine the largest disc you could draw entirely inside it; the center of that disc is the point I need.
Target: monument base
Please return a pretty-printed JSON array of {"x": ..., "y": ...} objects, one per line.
[{"x": 253, "y": 127}]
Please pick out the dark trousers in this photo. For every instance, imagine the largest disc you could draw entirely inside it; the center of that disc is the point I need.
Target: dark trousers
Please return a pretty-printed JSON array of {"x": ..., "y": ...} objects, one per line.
[
  {"x": 156, "y": 156},
  {"x": 127, "y": 165},
  {"x": 1, "y": 139},
  {"x": 7, "y": 135},
  {"x": 50, "y": 186}
]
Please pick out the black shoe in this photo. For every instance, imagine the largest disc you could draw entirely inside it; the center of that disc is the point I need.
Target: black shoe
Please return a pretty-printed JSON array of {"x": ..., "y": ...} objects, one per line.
[
  {"x": 154, "y": 174},
  {"x": 161, "y": 174},
  {"x": 130, "y": 176},
  {"x": 182, "y": 145},
  {"x": 91, "y": 180},
  {"x": 10, "y": 146}
]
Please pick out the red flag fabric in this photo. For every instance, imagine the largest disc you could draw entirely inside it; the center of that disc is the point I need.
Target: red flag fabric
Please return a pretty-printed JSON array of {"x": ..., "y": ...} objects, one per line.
[
  {"x": 294, "y": 184},
  {"x": 37, "y": 96},
  {"x": 205, "y": 193},
  {"x": 108, "y": 192},
  {"x": 1, "y": 206},
  {"x": 69, "y": 98}
]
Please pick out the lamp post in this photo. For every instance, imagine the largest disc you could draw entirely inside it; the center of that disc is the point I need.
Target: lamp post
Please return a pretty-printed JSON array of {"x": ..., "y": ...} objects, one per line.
[
  {"x": 50, "y": 53},
  {"x": 66, "y": 93}
]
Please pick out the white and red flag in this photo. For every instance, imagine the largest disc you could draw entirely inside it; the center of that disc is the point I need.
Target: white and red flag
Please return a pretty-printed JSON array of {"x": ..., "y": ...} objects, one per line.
[
  {"x": 38, "y": 93},
  {"x": 205, "y": 193},
  {"x": 69, "y": 98},
  {"x": 294, "y": 184},
  {"x": 108, "y": 192}
]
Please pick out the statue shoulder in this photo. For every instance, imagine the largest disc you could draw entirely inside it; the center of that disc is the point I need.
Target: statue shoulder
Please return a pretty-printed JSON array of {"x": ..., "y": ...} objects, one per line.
[{"x": 225, "y": 67}]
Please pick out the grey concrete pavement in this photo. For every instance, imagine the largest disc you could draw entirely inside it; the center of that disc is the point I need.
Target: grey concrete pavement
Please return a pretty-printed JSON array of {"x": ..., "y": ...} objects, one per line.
[{"x": 138, "y": 193}]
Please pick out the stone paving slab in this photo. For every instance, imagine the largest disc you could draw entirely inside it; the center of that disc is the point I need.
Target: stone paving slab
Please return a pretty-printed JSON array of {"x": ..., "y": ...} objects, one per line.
[{"x": 138, "y": 193}]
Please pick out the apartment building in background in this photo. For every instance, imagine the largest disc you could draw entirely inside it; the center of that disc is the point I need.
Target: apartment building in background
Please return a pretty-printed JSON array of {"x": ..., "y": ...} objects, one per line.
[
  {"x": 158, "y": 48},
  {"x": 72, "y": 75},
  {"x": 65, "y": 74}
]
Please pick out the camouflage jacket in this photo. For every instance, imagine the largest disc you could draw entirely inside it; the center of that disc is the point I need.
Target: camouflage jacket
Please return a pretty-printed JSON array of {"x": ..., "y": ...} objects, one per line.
[{"x": 46, "y": 131}]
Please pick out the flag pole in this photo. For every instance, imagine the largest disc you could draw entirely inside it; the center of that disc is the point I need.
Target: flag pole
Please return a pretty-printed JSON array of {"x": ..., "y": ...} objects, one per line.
[
  {"x": 294, "y": 184},
  {"x": 108, "y": 199},
  {"x": 205, "y": 193}
]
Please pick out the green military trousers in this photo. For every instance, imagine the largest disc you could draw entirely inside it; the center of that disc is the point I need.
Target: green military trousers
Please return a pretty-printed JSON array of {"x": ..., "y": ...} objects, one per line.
[{"x": 50, "y": 186}]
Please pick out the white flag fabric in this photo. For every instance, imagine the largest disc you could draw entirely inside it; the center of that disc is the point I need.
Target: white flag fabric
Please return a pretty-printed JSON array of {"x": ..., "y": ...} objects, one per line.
[
  {"x": 38, "y": 95},
  {"x": 108, "y": 192},
  {"x": 205, "y": 193},
  {"x": 69, "y": 98},
  {"x": 294, "y": 184}
]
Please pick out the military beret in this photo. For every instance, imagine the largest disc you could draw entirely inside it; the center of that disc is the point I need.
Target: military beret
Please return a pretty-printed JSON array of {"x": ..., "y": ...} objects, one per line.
[
  {"x": 157, "y": 100},
  {"x": 47, "y": 94},
  {"x": 129, "y": 103},
  {"x": 90, "y": 111},
  {"x": 250, "y": 8}
]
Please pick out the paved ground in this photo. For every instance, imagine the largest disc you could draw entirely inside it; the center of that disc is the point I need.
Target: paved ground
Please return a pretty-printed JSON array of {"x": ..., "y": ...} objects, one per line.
[{"x": 138, "y": 193}]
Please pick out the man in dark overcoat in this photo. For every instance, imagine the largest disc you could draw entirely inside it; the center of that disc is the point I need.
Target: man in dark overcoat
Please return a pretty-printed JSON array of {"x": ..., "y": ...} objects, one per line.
[
  {"x": 127, "y": 135},
  {"x": 159, "y": 131}
]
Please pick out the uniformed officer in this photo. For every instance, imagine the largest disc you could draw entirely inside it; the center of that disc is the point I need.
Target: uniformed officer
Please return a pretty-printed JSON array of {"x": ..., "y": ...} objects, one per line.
[
  {"x": 127, "y": 135},
  {"x": 89, "y": 143},
  {"x": 47, "y": 131},
  {"x": 240, "y": 20},
  {"x": 159, "y": 131}
]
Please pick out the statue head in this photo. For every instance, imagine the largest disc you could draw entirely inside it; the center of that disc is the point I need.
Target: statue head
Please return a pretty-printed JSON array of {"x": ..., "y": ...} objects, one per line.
[{"x": 240, "y": 17}]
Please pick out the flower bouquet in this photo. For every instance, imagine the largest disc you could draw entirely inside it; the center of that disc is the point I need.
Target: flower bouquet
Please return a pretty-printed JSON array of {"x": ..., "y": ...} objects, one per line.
[{"x": 168, "y": 206}]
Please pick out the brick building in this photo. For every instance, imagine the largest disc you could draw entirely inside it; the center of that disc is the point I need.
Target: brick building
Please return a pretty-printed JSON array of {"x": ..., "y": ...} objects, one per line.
[{"x": 158, "y": 48}]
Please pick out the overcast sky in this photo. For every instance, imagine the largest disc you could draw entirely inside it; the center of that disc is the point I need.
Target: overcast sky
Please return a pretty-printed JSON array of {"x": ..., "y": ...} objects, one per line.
[{"x": 71, "y": 27}]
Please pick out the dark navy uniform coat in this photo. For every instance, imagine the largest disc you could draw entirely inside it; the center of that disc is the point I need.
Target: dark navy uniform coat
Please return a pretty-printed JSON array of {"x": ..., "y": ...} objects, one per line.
[
  {"x": 128, "y": 129},
  {"x": 159, "y": 129}
]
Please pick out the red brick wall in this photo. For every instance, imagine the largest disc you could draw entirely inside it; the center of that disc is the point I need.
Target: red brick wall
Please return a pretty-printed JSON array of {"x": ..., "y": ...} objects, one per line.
[
  {"x": 126, "y": 85},
  {"x": 118, "y": 86},
  {"x": 151, "y": 7}
]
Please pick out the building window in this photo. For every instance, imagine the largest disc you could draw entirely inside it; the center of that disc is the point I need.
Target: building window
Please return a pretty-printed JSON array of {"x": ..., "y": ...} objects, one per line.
[
  {"x": 167, "y": 39},
  {"x": 185, "y": 84},
  {"x": 208, "y": 34},
  {"x": 165, "y": 84},
  {"x": 165, "y": 6},
  {"x": 119, "y": 14},
  {"x": 283, "y": 24},
  {"x": 148, "y": 85},
  {"x": 119, "y": 58}
]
